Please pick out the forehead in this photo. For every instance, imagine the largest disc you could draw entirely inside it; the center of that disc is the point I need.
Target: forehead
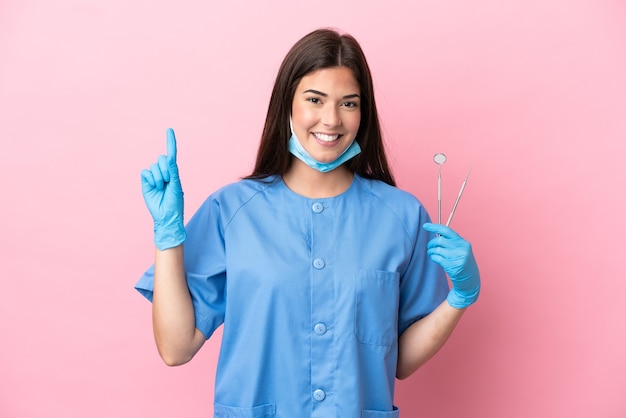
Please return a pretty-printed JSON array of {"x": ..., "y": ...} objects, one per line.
[{"x": 331, "y": 79}]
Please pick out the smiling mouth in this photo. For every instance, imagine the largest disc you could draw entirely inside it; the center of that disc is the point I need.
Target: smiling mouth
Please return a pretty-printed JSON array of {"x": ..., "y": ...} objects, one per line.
[{"x": 326, "y": 137}]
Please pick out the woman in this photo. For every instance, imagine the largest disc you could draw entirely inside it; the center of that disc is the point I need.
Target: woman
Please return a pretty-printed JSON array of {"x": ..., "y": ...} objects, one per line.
[{"x": 320, "y": 269}]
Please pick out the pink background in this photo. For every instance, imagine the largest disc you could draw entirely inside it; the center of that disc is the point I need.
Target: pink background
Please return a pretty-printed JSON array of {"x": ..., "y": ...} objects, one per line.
[{"x": 531, "y": 94}]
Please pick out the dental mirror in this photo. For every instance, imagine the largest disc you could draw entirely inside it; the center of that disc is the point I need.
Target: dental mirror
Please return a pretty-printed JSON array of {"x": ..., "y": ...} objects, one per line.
[{"x": 439, "y": 159}]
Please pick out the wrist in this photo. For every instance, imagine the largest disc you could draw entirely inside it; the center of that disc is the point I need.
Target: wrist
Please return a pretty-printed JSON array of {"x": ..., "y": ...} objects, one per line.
[
  {"x": 460, "y": 300},
  {"x": 169, "y": 236}
]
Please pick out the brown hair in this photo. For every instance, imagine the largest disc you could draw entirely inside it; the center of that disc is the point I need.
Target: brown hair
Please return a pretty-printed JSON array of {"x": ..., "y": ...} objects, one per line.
[{"x": 323, "y": 48}]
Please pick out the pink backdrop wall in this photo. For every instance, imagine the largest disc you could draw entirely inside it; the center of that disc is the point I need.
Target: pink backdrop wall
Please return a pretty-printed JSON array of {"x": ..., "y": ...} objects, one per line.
[{"x": 528, "y": 93}]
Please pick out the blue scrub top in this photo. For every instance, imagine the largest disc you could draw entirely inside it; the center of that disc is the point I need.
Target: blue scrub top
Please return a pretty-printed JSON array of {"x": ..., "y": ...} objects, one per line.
[{"x": 313, "y": 294}]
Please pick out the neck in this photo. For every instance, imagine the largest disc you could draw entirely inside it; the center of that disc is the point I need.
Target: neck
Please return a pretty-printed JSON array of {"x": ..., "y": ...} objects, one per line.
[{"x": 308, "y": 182}]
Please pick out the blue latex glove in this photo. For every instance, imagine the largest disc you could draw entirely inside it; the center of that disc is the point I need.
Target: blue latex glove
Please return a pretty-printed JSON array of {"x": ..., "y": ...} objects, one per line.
[
  {"x": 163, "y": 195},
  {"x": 455, "y": 255}
]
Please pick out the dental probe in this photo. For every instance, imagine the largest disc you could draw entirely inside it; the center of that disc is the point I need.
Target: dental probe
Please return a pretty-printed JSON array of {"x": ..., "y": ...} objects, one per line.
[{"x": 458, "y": 197}]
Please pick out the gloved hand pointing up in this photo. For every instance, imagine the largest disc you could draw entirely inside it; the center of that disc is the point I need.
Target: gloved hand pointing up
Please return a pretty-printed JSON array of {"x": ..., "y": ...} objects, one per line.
[{"x": 163, "y": 195}]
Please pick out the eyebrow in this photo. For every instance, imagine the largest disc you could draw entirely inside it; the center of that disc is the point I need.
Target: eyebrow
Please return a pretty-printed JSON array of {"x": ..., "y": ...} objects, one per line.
[{"x": 349, "y": 96}]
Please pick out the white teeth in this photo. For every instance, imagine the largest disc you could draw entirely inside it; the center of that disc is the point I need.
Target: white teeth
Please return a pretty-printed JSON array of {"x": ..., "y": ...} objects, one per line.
[{"x": 326, "y": 138}]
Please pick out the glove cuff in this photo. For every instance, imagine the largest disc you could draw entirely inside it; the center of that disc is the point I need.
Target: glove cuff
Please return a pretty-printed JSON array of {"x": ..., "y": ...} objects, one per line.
[
  {"x": 461, "y": 300},
  {"x": 169, "y": 237}
]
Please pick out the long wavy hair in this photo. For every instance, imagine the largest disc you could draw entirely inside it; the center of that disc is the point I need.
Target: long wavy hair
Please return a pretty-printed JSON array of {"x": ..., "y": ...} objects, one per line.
[{"x": 323, "y": 48}]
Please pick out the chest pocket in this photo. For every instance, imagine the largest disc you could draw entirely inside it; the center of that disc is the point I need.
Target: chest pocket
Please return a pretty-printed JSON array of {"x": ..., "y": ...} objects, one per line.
[{"x": 376, "y": 309}]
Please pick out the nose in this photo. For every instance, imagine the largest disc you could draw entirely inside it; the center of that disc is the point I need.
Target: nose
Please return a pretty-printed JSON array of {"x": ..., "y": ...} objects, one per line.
[{"x": 331, "y": 117}]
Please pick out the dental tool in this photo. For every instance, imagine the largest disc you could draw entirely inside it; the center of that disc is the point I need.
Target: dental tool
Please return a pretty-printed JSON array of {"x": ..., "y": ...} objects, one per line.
[
  {"x": 439, "y": 159},
  {"x": 458, "y": 197}
]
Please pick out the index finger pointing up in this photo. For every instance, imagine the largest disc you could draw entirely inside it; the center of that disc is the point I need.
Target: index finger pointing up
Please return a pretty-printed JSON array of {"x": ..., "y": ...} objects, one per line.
[{"x": 171, "y": 144}]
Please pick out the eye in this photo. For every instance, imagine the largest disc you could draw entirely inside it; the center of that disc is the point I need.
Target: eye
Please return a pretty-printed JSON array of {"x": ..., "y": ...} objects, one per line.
[
  {"x": 314, "y": 100},
  {"x": 350, "y": 104}
]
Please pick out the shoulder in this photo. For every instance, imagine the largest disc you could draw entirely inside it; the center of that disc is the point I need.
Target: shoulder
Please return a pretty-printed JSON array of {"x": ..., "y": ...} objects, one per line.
[
  {"x": 232, "y": 197},
  {"x": 244, "y": 189},
  {"x": 389, "y": 194},
  {"x": 398, "y": 203}
]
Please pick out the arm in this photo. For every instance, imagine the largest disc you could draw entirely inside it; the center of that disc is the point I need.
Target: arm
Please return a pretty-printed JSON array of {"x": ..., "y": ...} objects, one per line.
[
  {"x": 173, "y": 321},
  {"x": 424, "y": 338},
  {"x": 173, "y": 318}
]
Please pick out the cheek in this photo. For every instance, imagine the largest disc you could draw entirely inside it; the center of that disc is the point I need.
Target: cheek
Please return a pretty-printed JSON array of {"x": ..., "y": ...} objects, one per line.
[
  {"x": 302, "y": 117},
  {"x": 307, "y": 119},
  {"x": 353, "y": 122}
]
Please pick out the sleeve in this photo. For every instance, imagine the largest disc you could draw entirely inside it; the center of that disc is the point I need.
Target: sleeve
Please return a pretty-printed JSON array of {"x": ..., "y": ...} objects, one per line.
[
  {"x": 205, "y": 267},
  {"x": 423, "y": 285}
]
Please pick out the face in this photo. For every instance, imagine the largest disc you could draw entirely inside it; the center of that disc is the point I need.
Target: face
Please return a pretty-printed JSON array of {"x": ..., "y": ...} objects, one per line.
[{"x": 326, "y": 112}]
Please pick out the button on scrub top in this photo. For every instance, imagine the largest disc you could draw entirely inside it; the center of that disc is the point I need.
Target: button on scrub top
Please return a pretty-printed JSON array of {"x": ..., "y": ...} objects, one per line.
[{"x": 312, "y": 293}]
